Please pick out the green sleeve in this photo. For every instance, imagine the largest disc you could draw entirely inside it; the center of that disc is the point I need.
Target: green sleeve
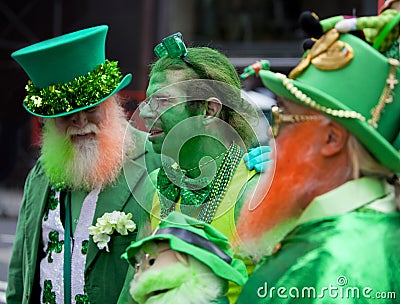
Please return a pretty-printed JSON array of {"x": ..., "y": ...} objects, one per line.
[
  {"x": 15, "y": 286},
  {"x": 329, "y": 23},
  {"x": 376, "y": 22}
]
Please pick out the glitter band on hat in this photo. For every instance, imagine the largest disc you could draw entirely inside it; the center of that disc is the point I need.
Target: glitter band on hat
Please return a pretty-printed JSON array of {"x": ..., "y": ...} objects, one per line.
[{"x": 69, "y": 73}]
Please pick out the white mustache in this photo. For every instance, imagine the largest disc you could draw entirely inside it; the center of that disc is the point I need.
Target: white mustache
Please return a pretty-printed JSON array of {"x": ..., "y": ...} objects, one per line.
[{"x": 89, "y": 128}]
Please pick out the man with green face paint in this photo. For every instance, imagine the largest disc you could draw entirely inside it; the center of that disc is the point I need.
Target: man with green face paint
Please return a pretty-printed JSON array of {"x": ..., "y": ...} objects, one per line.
[
  {"x": 197, "y": 119},
  {"x": 201, "y": 125}
]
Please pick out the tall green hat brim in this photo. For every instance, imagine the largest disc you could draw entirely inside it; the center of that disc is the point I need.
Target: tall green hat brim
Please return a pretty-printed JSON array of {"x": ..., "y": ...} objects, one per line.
[
  {"x": 124, "y": 82},
  {"x": 235, "y": 271},
  {"x": 361, "y": 82}
]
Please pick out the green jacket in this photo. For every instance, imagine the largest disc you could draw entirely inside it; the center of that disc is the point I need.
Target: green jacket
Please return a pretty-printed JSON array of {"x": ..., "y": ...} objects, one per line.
[
  {"x": 104, "y": 271},
  {"x": 338, "y": 256}
]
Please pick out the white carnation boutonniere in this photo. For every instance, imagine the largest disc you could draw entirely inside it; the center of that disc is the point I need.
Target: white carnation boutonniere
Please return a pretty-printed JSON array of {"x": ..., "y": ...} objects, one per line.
[{"x": 109, "y": 223}]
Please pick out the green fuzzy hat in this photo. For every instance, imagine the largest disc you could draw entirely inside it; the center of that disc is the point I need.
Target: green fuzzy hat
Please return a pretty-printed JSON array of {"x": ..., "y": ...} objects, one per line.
[
  {"x": 198, "y": 239},
  {"x": 69, "y": 73},
  {"x": 346, "y": 79}
]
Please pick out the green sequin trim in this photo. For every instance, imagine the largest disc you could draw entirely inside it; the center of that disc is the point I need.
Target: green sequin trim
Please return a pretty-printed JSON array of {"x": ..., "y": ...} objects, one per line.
[
  {"x": 49, "y": 297},
  {"x": 59, "y": 186},
  {"x": 82, "y": 299},
  {"x": 172, "y": 192},
  {"x": 85, "y": 245},
  {"x": 51, "y": 204},
  {"x": 81, "y": 92},
  {"x": 54, "y": 245}
]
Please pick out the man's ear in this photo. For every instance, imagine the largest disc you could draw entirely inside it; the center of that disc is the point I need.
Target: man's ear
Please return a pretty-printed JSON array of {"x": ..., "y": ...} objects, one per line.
[
  {"x": 213, "y": 107},
  {"x": 335, "y": 139}
]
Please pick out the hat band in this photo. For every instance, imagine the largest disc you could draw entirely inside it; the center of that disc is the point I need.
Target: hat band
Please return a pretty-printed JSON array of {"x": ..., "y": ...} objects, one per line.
[
  {"x": 306, "y": 100},
  {"x": 387, "y": 94},
  {"x": 197, "y": 240},
  {"x": 81, "y": 92}
]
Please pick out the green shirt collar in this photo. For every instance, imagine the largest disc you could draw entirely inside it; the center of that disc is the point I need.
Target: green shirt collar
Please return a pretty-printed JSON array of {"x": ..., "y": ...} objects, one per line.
[{"x": 366, "y": 192}]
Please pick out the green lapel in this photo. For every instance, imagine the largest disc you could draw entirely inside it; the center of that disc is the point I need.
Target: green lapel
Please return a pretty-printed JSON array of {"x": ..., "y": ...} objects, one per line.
[{"x": 114, "y": 198}]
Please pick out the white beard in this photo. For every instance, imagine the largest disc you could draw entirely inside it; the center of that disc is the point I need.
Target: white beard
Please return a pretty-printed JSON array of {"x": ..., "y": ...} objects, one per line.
[
  {"x": 192, "y": 284},
  {"x": 86, "y": 164}
]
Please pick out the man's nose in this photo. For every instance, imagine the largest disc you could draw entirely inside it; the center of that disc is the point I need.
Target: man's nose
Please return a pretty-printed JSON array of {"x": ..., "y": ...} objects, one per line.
[
  {"x": 147, "y": 111},
  {"x": 79, "y": 119}
]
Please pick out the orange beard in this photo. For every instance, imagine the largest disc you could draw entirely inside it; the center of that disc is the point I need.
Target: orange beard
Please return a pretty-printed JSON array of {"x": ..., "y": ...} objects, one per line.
[
  {"x": 113, "y": 147},
  {"x": 92, "y": 162},
  {"x": 268, "y": 217}
]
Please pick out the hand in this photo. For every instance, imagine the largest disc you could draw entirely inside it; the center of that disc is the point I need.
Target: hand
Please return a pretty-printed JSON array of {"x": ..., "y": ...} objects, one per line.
[{"x": 258, "y": 158}]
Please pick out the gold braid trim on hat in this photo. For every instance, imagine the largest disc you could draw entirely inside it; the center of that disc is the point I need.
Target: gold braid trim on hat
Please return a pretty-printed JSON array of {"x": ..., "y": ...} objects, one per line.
[
  {"x": 386, "y": 96},
  {"x": 306, "y": 100}
]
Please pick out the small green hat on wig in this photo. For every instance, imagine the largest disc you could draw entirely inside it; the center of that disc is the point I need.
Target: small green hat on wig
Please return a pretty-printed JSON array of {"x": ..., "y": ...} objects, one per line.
[
  {"x": 69, "y": 73},
  {"x": 348, "y": 80},
  {"x": 199, "y": 240}
]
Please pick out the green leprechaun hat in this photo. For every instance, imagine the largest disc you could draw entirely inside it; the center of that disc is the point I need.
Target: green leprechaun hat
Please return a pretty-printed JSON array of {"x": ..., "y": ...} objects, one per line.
[
  {"x": 69, "y": 73},
  {"x": 348, "y": 80},
  {"x": 198, "y": 239}
]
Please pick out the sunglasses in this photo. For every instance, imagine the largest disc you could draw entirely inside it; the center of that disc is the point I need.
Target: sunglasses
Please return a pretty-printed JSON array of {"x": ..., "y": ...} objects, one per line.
[{"x": 277, "y": 118}]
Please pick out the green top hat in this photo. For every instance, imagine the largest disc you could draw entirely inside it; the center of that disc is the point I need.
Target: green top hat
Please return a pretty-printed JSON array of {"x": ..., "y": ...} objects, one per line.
[
  {"x": 347, "y": 79},
  {"x": 198, "y": 239},
  {"x": 69, "y": 73}
]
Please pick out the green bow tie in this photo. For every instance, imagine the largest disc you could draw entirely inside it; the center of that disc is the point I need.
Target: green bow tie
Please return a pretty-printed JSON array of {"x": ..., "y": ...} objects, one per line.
[{"x": 193, "y": 192}]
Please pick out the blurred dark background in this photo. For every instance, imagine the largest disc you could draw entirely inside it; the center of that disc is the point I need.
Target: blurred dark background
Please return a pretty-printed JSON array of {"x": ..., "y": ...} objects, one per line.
[{"x": 245, "y": 31}]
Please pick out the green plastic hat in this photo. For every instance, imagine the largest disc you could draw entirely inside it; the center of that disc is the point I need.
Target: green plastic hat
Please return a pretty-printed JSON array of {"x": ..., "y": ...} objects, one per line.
[
  {"x": 345, "y": 78},
  {"x": 69, "y": 73},
  {"x": 198, "y": 239}
]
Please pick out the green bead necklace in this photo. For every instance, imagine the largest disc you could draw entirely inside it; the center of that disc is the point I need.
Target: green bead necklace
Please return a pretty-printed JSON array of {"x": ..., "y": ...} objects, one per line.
[{"x": 212, "y": 195}]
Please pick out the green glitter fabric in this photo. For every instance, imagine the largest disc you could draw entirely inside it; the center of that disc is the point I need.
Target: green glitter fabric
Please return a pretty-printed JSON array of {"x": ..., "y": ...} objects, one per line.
[
  {"x": 52, "y": 203},
  {"x": 49, "y": 297},
  {"x": 85, "y": 245},
  {"x": 81, "y": 92},
  {"x": 82, "y": 299},
  {"x": 173, "y": 192},
  {"x": 54, "y": 245}
]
